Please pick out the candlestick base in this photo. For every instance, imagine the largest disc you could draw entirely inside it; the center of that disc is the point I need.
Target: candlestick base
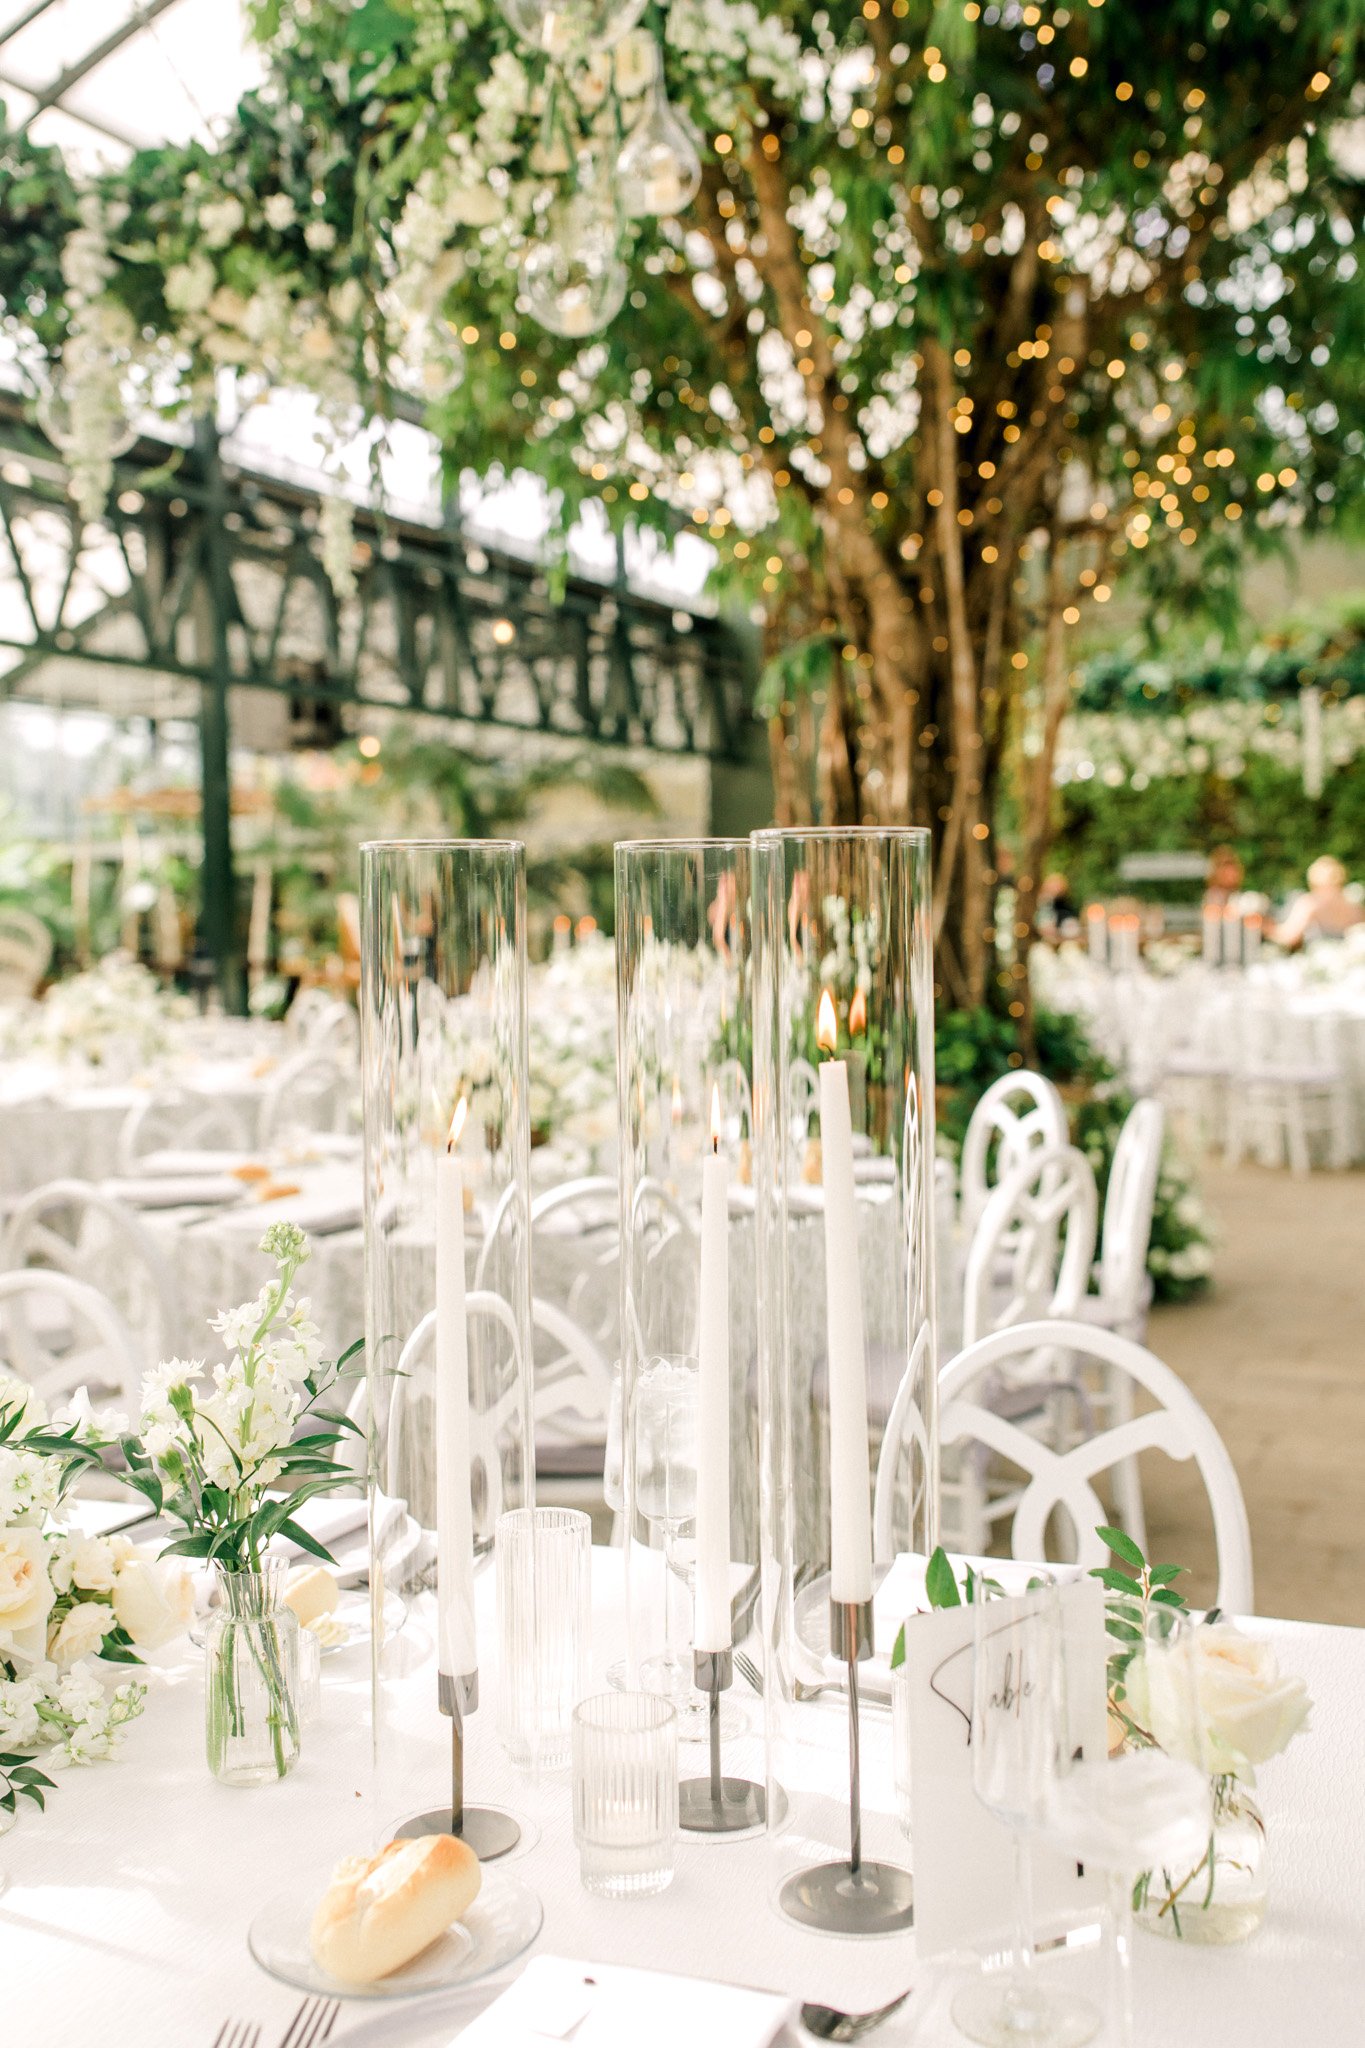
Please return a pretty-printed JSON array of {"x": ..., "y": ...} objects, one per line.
[
  {"x": 488, "y": 1831},
  {"x": 741, "y": 1805},
  {"x": 877, "y": 1898}
]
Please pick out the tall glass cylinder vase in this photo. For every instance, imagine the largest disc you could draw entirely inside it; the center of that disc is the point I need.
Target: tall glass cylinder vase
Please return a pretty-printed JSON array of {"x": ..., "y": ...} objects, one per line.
[
  {"x": 448, "y": 1329},
  {"x": 844, "y": 1128},
  {"x": 688, "y": 1336}
]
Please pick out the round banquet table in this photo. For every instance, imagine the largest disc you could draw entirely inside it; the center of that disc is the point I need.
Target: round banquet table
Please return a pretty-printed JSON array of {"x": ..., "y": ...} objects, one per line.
[{"x": 124, "y": 1921}]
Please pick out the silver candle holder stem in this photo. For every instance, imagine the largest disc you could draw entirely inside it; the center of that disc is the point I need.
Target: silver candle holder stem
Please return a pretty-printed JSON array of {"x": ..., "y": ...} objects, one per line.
[
  {"x": 717, "y": 1805},
  {"x": 852, "y": 1897},
  {"x": 489, "y": 1832}
]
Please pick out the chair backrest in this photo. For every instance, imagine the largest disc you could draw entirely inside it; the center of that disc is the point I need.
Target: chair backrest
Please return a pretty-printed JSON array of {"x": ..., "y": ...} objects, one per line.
[
  {"x": 309, "y": 1093},
  {"x": 308, "y": 1005},
  {"x": 70, "y": 1227},
  {"x": 25, "y": 950},
  {"x": 335, "y": 1029},
  {"x": 906, "y": 1430},
  {"x": 803, "y": 1097},
  {"x": 86, "y": 1343},
  {"x": 183, "y": 1120},
  {"x": 1129, "y": 1200},
  {"x": 1065, "y": 1479},
  {"x": 1017, "y": 1115},
  {"x": 1031, "y": 1253}
]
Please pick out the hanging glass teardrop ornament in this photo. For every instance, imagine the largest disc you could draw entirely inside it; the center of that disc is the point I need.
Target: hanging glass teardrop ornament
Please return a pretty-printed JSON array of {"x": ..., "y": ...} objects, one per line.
[
  {"x": 572, "y": 276},
  {"x": 659, "y": 169},
  {"x": 567, "y": 28}
]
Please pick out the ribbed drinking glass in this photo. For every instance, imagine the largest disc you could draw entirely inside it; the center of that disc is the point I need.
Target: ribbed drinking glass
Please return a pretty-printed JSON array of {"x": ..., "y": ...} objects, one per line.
[
  {"x": 544, "y": 1579},
  {"x": 625, "y": 1793}
]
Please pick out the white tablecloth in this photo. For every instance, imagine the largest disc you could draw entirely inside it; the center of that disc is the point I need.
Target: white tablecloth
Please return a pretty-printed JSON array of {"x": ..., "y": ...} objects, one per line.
[{"x": 124, "y": 1922}]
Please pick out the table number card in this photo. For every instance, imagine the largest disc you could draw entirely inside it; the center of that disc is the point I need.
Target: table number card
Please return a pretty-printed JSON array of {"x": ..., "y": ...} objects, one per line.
[{"x": 963, "y": 1856}]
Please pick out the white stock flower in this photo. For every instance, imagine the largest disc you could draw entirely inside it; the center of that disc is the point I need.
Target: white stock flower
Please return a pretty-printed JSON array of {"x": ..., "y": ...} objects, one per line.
[
  {"x": 280, "y": 211},
  {"x": 320, "y": 236},
  {"x": 220, "y": 220},
  {"x": 20, "y": 1726},
  {"x": 80, "y": 1632}
]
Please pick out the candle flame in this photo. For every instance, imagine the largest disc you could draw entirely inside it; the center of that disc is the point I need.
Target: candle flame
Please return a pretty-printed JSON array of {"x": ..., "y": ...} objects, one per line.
[
  {"x": 827, "y": 1023},
  {"x": 715, "y": 1117},
  {"x": 857, "y": 1014},
  {"x": 457, "y": 1123},
  {"x": 1253, "y": 920}
]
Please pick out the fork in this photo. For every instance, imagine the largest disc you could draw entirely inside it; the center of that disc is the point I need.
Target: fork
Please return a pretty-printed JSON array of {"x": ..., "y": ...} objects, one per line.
[
  {"x": 828, "y": 2023},
  {"x": 238, "y": 2034},
  {"x": 312, "y": 2023},
  {"x": 747, "y": 1669}
]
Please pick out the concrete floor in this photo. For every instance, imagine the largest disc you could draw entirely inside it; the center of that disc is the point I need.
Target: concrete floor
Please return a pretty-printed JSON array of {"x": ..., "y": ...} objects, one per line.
[{"x": 1276, "y": 1354}]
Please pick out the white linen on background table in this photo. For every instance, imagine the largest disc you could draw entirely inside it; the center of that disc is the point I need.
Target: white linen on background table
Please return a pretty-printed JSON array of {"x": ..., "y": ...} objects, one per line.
[{"x": 124, "y": 1923}]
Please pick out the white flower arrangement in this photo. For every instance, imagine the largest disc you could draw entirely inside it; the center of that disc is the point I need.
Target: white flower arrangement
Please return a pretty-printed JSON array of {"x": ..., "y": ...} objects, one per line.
[
  {"x": 113, "y": 1016},
  {"x": 65, "y": 1600}
]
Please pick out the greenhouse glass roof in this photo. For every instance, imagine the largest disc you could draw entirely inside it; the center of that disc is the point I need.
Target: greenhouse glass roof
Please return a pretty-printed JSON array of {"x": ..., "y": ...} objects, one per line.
[{"x": 101, "y": 78}]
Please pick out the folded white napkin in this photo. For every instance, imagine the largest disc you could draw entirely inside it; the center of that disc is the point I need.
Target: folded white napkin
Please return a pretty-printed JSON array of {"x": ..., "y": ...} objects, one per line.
[
  {"x": 172, "y": 1160},
  {"x": 175, "y": 1190},
  {"x": 591, "y": 2005}
]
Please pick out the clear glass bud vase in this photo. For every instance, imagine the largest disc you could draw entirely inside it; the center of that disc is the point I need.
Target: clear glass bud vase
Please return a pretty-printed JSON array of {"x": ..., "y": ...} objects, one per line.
[
  {"x": 251, "y": 1679},
  {"x": 1221, "y": 1899}
]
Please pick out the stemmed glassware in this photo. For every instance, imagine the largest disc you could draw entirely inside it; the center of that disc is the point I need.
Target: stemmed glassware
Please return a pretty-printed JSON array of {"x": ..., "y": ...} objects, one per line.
[
  {"x": 1147, "y": 1804},
  {"x": 1018, "y": 1730}
]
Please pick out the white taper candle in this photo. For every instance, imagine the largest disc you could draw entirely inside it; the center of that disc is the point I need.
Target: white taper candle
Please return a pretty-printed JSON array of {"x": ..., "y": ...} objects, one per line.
[
  {"x": 850, "y": 1493},
  {"x": 711, "y": 1630},
  {"x": 457, "y": 1653}
]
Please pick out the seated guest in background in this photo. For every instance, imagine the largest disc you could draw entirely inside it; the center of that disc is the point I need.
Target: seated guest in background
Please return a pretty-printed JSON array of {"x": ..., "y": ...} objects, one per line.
[
  {"x": 1223, "y": 883},
  {"x": 1058, "y": 912},
  {"x": 1325, "y": 911}
]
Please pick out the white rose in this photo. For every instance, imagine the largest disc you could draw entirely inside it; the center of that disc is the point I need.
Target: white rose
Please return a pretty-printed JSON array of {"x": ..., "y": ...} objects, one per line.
[
  {"x": 80, "y": 1633},
  {"x": 25, "y": 1589},
  {"x": 91, "y": 1565},
  {"x": 1248, "y": 1706},
  {"x": 153, "y": 1601}
]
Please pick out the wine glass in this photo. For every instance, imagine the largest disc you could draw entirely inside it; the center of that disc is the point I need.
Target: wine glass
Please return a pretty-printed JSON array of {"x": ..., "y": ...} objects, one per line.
[
  {"x": 1018, "y": 1727},
  {"x": 1147, "y": 1804},
  {"x": 666, "y": 1495}
]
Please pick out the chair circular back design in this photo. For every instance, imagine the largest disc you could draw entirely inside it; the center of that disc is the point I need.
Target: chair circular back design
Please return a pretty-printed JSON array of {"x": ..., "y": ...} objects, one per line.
[
  {"x": 70, "y": 1227},
  {"x": 25, "y": 951},
  {"x": 97, "y": 1349},
  {"x": 1064, "y": 1478},
  {"x": 1032, "y": 1250},
  {"x": 183, "y": 1120},
  {"x": 308, "y": 1094},
  {"x": 1016, "y": 1116},
  {"x": 1130, "y": 1198}
]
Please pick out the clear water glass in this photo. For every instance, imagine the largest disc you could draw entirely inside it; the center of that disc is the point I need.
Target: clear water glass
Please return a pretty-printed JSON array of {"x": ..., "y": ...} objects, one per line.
[
  {"x": 544, "y": 1585},
  {"x": 625, "y": 1793},
  {"x": 1147, "y": 1804},
  {"x": 1018, "y": 1728}
]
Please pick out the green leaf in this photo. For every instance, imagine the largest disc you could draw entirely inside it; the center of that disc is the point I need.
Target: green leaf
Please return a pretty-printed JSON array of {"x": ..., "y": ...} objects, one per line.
[
  {"x": 200, "y": 1544},
  {"x": 298, "y": 1535},
  {"x": 1168, "y": 1596},
  {"x": 940, "y": 1582},
  {"x": 1162, "y": 1574},
  {"x": 1122, "y": 1547},
  {"x": 898, "y": 1649},
  {"x": 1124, "y": 1630},
  {"x": 1115, "y": 1580}
]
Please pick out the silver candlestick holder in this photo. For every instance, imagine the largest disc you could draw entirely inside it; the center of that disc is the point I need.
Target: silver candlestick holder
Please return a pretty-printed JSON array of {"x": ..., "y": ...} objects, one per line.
[
  {"x": 716, "y": 1805},
  {"x": 488, "y": 1831},
  {"x": 851, "y": 1897}
]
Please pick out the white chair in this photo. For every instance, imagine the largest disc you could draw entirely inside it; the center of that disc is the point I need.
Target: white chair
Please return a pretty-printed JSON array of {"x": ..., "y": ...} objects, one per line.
[
  {"x": 71, "y": 1227},
  {"x": 1198, "y": 1061},
  {"x": 94, "y": 1347},
  {"x": 1031, "y": 1252},
  {"x": 803, "y": 1098},
  {"x": 1291, "y": 1087},
  {"x": 25, "y": 953},
  {"x": 1064, "y": 1479},
  {"x": 310, "y": 1093},
  {"x": 1125, "y": 1289},
  {"x": 180, "y": 1120},
  {"x": 335, "y": 1029},
  {"x": 906, "y": 1431},
  {"x": 1018, "y": 1114},
  {"x": 308, "y": 1006}
]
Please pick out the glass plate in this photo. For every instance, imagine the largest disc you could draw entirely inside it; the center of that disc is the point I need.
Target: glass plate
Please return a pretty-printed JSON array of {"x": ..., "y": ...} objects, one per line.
[{"x": 500, "y": 1925}]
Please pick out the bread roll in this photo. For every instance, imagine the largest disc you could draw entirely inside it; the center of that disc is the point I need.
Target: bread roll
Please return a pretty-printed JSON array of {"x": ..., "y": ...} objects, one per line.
[
  {"x": 381, "y": 1911},
  {"x": 310, "y": 1591}
]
